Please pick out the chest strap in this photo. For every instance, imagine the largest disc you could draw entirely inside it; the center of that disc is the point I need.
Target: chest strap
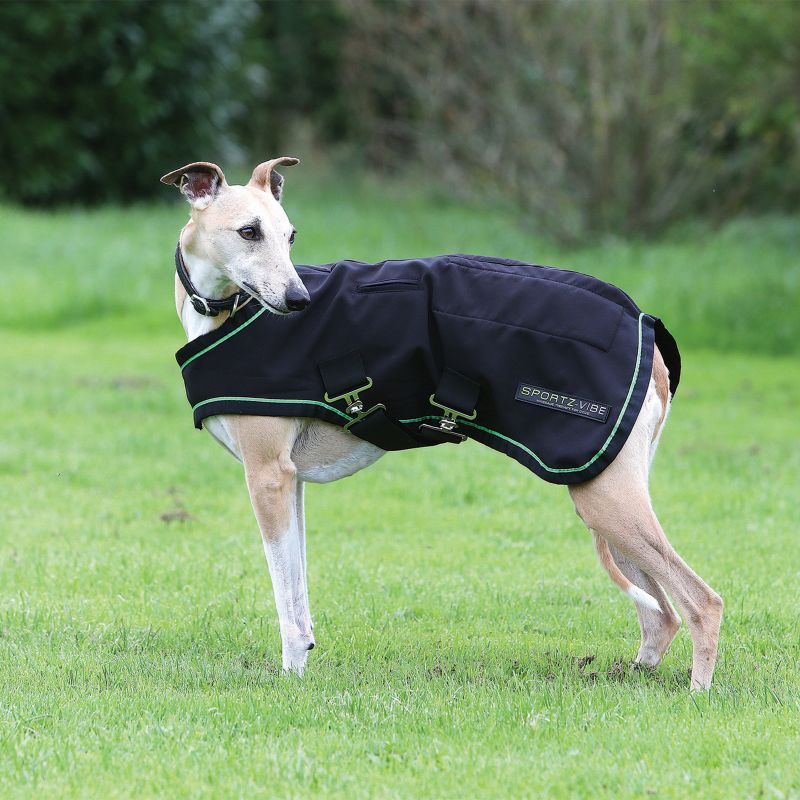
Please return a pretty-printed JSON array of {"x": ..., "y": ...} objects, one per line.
[
  {"x": 457, "y": 396},
  {"x": 345, "y": 379}
]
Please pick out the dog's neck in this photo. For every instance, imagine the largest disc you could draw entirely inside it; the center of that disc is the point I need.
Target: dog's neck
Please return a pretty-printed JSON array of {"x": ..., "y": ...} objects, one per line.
[{"x": 211, "y": 284}]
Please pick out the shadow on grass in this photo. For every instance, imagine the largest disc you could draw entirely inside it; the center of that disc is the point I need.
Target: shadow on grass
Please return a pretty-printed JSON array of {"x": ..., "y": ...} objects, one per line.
[{"x": 188, "y": 660}]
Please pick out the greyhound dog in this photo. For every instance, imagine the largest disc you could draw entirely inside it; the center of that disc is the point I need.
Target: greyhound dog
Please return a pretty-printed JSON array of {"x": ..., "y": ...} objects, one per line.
[{"x": 238, "y": 242}]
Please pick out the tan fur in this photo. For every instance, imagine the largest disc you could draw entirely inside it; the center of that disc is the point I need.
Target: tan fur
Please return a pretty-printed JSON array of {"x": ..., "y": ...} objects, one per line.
[
  {"x": 262, "y": 174},
  {"x": 661, "y": 380},
  {"x": 616, "y": 504},
  {"x": 658, "y": 628},
  {"x": 608, "y": 563},
  {"x": 224, "y": 259},
  {"x": 265, "y": 446},
  {"x": 180, "y": 296}
]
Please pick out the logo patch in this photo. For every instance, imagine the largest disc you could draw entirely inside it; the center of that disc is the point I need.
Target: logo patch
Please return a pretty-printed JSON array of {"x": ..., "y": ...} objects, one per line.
[{"x": 558, "y": 401}]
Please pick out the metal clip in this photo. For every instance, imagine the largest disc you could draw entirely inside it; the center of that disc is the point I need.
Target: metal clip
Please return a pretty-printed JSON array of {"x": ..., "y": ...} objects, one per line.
[
  {"x": 448, "y": 422},
  {"x": 354, "y": 404},
  {"x": 361, "y": 415}
]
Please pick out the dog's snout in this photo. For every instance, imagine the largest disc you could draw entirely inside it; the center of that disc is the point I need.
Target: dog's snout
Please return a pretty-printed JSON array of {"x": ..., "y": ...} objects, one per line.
[{"x": 297, "y": 298}]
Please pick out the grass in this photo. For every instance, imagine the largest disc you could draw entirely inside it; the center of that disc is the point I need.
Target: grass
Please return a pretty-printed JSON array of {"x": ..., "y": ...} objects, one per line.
[
  {"x": 737, "y": 288},
  {"x": 468, "y": 643}
]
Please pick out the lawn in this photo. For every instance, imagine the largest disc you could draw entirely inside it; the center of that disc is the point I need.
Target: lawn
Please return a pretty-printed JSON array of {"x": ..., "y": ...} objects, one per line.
[{"x": 468, "y": 644}]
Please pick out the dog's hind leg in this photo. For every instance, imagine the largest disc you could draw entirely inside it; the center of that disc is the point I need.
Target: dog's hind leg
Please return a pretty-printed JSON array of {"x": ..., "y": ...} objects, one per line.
[
  {"x": 658, "y": 628},
  {"x": 617, "y": 505},
  {"x": 266, "y": 445},
  {"x": 657, "y": 618},
  {"x": 640, "y": 597}
]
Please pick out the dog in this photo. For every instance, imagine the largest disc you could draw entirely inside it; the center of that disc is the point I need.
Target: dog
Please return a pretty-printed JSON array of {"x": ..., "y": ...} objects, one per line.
[{"x": 235, "y": 250}]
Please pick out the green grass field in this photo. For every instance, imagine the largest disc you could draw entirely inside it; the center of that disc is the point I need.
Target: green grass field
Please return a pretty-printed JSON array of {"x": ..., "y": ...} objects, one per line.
[{"x": 469, "y": 645}]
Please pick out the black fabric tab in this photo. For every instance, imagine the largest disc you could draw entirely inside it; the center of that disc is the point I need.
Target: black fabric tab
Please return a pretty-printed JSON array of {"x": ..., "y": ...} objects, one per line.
[
  {"x": 343, "y": 375},
  {"x": 670, "y": 353},
  {"x": 380, "y": 429},
  {"x": 432, "y": 434},
  {"x": 458, "y": 392}
]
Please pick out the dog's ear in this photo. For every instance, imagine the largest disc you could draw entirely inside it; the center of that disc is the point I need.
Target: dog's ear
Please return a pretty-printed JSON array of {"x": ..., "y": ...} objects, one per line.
[
  {"x": 200, "y": 182},
  {"x": 264, "y": 175}
]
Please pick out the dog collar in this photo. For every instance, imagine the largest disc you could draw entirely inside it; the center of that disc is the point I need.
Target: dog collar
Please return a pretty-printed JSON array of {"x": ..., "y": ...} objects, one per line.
[{"x": 203, "y": 305}]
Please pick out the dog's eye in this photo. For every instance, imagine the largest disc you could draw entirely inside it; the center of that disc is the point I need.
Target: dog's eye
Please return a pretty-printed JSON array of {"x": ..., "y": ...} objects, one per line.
[
  {"x": 248, "y": 232},
  {"x": 291, "y": 238}
]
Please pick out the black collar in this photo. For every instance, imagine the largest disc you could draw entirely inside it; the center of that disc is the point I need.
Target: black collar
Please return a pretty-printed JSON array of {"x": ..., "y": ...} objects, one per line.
[{"x": 202, "y": 305}]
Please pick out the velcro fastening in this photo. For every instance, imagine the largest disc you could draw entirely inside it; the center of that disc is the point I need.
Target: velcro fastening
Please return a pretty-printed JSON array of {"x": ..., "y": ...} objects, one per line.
[
  {"x": 458, "y": 392},
  {"x": 344, "y": 374}
]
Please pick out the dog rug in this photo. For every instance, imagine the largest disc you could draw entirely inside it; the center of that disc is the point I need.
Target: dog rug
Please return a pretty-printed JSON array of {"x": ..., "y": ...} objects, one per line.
[{"x": 548, "y": 366}]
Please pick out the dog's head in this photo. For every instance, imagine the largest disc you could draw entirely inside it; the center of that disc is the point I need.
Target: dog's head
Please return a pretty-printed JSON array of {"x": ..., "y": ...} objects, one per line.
[{"x": 243, "y": 232}]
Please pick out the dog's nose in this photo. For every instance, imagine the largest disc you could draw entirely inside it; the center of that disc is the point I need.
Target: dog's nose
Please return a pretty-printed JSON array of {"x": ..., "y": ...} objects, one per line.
[{"x": 297, "y": 298}]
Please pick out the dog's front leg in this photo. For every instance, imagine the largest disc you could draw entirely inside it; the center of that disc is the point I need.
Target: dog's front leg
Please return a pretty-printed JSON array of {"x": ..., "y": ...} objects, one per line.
[
  {"x": 272, "y": 492},
  {"x": 301, "y": 529},
  {"x": 272, "y": 483}
]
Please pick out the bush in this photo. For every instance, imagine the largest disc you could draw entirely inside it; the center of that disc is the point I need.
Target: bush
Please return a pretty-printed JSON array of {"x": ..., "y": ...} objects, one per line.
[
  {"x": 97, "y": 99},
  {"x": 620, "y": 116},
  {"x": 614, "y": 116},
  {"x": 293, "y": 52},
  {"x": 742, "y": 72}
]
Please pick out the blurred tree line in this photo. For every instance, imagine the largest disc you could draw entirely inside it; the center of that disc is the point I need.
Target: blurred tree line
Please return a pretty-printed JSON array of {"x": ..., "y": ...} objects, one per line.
[{"x": 612, "y": 115}]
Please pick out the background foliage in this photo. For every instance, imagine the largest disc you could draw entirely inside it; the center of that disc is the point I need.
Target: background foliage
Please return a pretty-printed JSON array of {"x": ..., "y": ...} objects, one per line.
[
  {"x": 616, "y": 115},
  {"x": 95, "y": 95},
  {"x": 602, "y": 116}
]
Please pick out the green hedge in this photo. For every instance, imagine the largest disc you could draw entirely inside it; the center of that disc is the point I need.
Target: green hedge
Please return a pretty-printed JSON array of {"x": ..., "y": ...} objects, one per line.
[
  {"x": 97, "y": 99},
  {"x": 619, "y": 116}
]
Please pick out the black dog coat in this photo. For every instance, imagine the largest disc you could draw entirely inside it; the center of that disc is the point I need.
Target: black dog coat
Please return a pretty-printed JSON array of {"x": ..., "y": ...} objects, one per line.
[{"x": 548, "y": 366}]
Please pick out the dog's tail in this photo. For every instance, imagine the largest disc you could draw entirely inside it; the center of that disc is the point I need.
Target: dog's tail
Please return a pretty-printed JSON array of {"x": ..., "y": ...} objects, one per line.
[{"x": 615, "y": 573}]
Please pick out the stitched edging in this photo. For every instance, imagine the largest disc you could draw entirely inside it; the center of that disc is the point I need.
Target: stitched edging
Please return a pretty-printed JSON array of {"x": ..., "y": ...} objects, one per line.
[
  {"x": 467, "y": 265},
  {"x": 537, "y": 330},
  {"x": 278, "y": 401},
  {"x": 531, "y": 453},
  {"x": 226, "y": 336}
]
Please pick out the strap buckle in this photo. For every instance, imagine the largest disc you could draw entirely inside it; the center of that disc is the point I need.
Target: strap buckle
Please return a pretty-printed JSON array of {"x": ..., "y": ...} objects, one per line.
[
  {"x": 354, "y": 404},
  {"x": 201, "y": 306},
  {"x": 448, "y": 422},
  {"x": 362, "y": 415}
]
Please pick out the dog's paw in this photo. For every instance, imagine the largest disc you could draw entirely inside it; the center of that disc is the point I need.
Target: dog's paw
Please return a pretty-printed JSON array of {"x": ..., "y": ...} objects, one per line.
[{"x": 295, "y": 652}]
